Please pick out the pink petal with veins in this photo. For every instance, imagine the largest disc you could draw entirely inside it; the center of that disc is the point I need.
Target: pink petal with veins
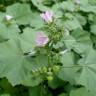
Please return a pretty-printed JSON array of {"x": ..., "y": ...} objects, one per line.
[
  {"x": 47, "y": 16},
  {"x": 42, "y": 39}
]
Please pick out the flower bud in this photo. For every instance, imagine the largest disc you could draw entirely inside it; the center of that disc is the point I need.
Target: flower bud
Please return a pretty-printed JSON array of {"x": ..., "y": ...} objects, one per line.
[
  {"x": 49, "y": 78},
  {"x": 44, "y": 69},
  {"x": 56, "y": 68}
]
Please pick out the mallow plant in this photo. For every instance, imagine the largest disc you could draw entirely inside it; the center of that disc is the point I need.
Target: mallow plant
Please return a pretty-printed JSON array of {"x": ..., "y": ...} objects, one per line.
[{"x": 47, "y": 48}]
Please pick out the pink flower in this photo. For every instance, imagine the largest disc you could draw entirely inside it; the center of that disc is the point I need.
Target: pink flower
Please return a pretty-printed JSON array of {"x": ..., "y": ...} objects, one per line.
[
  {"x": 77, "y": 1},
  {"x": 47, "y": 16},
  {"x": 42, "y": 39}
]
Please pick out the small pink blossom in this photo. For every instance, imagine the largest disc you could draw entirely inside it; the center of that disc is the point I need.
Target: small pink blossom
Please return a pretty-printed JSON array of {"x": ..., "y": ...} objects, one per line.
[
  {"x": 42, "y": 39},
  {"x": 47, "y": 16},
  {"x": 77, "y": 1}
]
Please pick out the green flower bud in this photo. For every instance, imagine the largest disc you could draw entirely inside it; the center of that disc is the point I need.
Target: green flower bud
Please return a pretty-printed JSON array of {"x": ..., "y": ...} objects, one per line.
[
  {"x": 56, "y": 68},
  {"x": 44, "y": 69},
  {"x": 49, "y": 78},
  {"x": 49, "y": 73},
  {"x": 35, "y": 73}
]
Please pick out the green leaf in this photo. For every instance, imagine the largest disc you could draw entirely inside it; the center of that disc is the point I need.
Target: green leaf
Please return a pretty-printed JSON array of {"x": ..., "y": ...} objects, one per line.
[
  {"x": 63, "y": 94},
  {"x": 88, "y": 8},
  {"x": 35, "y": 91},
  {"x": 80, "y": 92},
  {"x": 5, "y": 85},
  {"x": 83, "y": 41},
  {"x": 39, "y": 91},
  {"x": 11, "y": 32},
  {"x": 79, "y": 40},
  {"x": 69, "y": 41},
  {"x": 28, "y": 40},
  {"x": 13, "y": 64},
  {"x": 39, "y": 62},
  {"x": 84, "y": 2},
  {"x": 65, "y": 6},
  {"x": 2, "y": 15},
  {"x": 56, "y": 10},
  {"x": 92, "y": 2},
  {"x": 87, "y": 77},
  {"x": 5, "y": 95},
  {"x": 55, "y": 83},
  {"x": 39, "y": 5},
  {"x": 93, "y": 29},
  {"x": 32, "y": 80},
  {"x": 20, "y": 12},
  {"x": 81, "y": 19},
  {"x": 72, "y": 24},
  {"x": 36, "y": 21},
  {"x": 67, "y": 72}
]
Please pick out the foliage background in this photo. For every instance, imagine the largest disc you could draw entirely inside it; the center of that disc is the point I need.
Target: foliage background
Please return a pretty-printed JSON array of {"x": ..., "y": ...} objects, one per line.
[{"x": 21, "y": 74}]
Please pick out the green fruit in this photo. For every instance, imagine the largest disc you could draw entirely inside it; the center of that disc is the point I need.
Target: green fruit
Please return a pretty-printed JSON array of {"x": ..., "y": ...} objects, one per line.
[
  {"x": 49, "y": 78},
  {"x": 49, "y": 73},
  {"x": 44, "y": 69},
  {"x": 56, "y": 68},
  {"x": 35, "y": 73}
]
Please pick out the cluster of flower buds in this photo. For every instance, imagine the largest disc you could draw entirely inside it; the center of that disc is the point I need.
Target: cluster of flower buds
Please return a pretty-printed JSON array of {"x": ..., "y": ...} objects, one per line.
[{"x": 48, "y": 71}]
